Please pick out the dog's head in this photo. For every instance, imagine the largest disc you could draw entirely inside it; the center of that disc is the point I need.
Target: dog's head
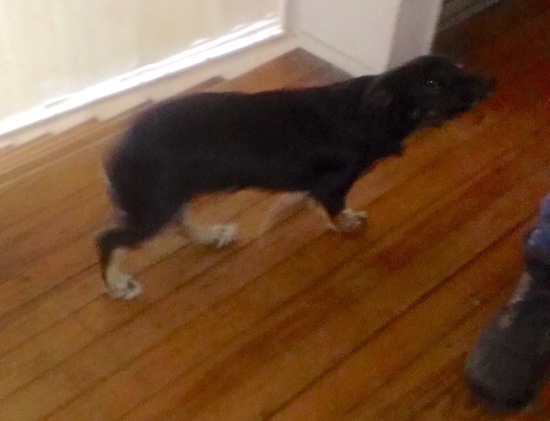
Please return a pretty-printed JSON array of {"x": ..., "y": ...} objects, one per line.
[{"x": 427, "y": 91}]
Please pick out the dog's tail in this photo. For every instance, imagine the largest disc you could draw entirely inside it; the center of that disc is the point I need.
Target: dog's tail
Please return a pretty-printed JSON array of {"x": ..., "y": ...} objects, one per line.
[{"x": 118, "y": 215}]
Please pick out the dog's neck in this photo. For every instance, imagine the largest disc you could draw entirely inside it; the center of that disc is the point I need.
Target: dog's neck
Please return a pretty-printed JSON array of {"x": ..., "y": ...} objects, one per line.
[
  {"x": 391, "y": 119},
  {"x": 380, "y": 132}
]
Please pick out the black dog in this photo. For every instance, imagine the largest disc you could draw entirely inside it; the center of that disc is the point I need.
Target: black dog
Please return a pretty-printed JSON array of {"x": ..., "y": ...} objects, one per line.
[{"x": 315, "y": 140}]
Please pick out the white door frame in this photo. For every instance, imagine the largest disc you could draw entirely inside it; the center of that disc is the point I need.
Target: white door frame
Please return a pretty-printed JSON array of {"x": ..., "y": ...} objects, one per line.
[{"x": 364, "y": 36}]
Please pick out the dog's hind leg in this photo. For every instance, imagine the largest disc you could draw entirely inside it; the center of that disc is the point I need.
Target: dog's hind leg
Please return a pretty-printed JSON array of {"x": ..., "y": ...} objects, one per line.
[
  {"x": 112, "y": 244},
  {"x": 218, "y": 235}
]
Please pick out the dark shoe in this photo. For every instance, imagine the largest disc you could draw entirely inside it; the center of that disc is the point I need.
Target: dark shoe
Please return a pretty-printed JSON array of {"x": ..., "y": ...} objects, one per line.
[{"x": 508, "y": 366}]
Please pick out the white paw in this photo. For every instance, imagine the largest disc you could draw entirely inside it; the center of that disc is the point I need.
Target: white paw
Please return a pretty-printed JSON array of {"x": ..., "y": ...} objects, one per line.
[
  {"x": 349, "y": 220},
  {"x": 223, "y": 234},
  {"x": 124, "y": 288}
]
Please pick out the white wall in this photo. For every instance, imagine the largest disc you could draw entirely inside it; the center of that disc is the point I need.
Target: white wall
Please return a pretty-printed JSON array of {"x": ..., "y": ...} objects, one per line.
[
  {"x": 415, "y": 29},
  {"x": 51, "y": 48},
  {"x": 365, "y": 36},
  {"x": 362, "y": 30}
]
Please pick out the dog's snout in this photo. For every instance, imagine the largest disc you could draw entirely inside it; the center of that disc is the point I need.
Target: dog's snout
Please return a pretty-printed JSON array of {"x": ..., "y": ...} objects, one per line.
[{"x": 482, "y": 87}]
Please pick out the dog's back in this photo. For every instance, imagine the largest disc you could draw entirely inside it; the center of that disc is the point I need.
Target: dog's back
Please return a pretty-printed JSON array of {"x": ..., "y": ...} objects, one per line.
[{"x": 218, "y": 141}]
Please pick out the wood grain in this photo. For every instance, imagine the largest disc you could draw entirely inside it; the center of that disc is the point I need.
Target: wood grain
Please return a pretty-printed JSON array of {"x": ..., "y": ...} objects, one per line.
[{"x": 301, "y": 323}]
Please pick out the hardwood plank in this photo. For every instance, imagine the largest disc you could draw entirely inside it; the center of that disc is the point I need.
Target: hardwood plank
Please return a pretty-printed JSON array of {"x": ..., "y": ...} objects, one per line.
[
  {"x": 441, "y": 372},
  {"x": 407, "y": 337},
  {"x": 438, "y": 368}
]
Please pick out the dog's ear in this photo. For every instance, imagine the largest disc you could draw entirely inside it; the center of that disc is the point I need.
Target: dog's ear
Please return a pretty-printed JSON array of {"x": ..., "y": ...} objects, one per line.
[{"x": 377, "y": 98}]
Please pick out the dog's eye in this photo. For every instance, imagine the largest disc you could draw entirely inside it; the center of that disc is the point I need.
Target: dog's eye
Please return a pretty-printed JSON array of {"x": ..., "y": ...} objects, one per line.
[{"x": 431, "y": 83}]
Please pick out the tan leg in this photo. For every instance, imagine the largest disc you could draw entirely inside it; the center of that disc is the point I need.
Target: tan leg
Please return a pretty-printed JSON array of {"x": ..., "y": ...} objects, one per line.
[
  {"x": 120, "y": 285},
  {"x": 288, "y": 203},
  {"x": 348, "y": 220},
  {"x": 284, "y": 206},
  {"x": 217, "y": 235}
]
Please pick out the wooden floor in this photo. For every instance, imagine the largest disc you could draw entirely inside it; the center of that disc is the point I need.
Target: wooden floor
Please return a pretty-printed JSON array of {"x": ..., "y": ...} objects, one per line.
[{"x": 302, "y": 323}]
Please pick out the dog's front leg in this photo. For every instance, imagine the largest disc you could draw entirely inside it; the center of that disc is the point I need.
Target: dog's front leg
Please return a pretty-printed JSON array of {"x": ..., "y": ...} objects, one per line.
[
  {"x": 217, "y": 236},
  {"x": 341, "y": 218},
  {"x": 348, "y": 220},
  {"x": 331, "y": 193}
]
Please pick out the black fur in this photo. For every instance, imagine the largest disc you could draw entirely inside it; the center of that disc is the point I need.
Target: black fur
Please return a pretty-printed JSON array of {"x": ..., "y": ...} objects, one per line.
[{"x": 316, "y": 140}]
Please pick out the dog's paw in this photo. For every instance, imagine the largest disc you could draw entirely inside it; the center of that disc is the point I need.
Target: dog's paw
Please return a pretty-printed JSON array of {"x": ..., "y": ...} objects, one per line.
[
  {"x": 124, "y": 288},
  {"x": 348, "y": 220},
  {"x": 222, "y": 235}
]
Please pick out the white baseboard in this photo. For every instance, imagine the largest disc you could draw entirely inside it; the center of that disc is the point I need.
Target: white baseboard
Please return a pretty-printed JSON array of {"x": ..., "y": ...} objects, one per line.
[{"x": 243, "y": 55}]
